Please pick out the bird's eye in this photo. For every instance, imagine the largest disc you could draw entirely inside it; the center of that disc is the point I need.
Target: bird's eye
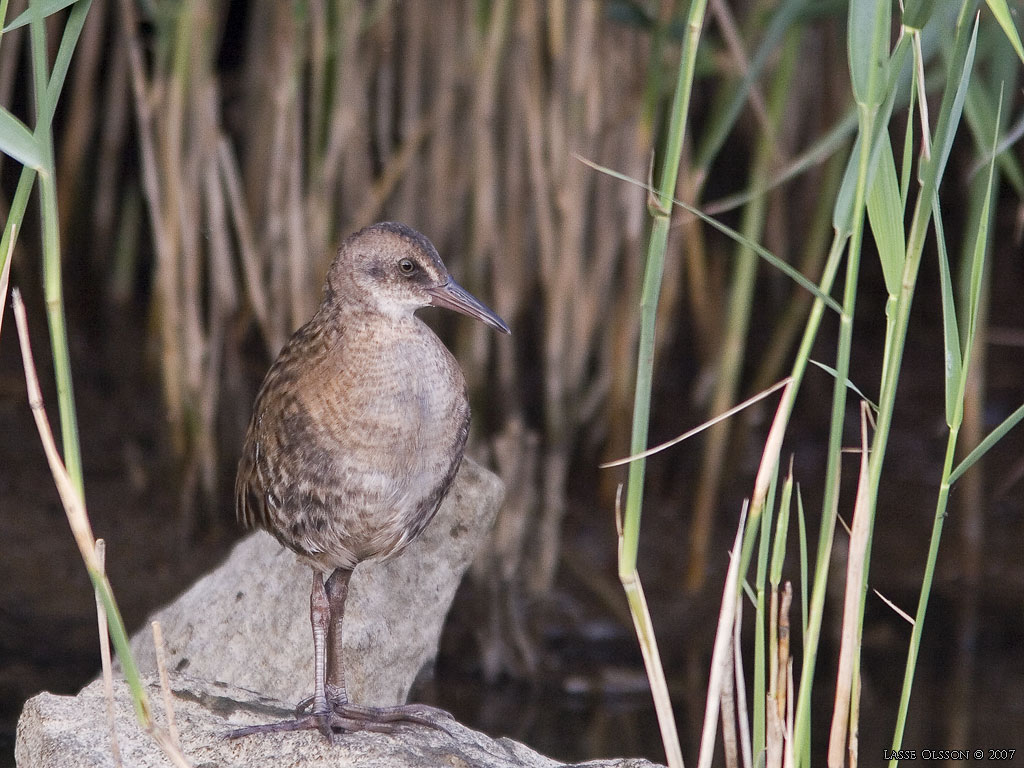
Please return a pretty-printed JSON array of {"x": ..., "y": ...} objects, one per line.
[{"x": 406, "y": 266}]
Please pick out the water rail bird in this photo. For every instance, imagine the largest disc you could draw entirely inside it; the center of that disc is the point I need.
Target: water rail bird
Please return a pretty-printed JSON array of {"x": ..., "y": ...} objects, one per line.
[{"x": 356, "y": 436}]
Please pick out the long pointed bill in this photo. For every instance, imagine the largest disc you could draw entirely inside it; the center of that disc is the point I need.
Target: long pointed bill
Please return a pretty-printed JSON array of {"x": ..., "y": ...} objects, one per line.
[{"x": 454, "y": 296}]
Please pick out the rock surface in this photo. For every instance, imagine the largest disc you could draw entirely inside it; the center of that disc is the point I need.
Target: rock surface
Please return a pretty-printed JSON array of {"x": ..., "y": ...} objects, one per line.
[
  {"x": 247, "y": 622},
  {"x": 71, "y": 732}
]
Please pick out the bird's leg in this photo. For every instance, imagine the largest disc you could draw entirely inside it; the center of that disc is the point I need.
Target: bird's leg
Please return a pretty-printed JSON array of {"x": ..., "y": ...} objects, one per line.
[
  {"x": 321, "y": 715},
  {"x": 335, "y": 593},
  {"x": 351, "y": 716},
  {"x": 320, "y": 621},
  {"x": 328, "y": 709}
]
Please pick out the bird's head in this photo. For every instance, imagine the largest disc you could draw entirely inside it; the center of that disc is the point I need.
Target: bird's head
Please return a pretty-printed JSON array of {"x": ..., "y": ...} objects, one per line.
[{"x": 396, "y": 270}]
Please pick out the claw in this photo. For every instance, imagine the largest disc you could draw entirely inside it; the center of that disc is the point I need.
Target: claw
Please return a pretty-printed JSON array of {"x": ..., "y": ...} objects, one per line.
[{"x": 303, "y": 706}]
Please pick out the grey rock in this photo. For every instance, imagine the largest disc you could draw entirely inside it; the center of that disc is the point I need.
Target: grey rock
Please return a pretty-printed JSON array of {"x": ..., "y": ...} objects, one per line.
[
  {"x": 247, "y": 622},
  {"x": 71, "y": 731}
]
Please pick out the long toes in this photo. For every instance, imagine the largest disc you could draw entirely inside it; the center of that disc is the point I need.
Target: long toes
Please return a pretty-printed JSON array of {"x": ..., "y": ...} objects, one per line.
[
  {"x": 392, "y": 718},
  {"x": 308, "y": 722},
  {"x": 403, "y": 712},
  {"x": 355, "y": 724}
]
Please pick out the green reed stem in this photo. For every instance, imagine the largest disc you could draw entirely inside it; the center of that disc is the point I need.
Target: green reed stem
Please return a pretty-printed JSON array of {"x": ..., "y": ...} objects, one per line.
[
  {"x": 47, "y": 90},
  {"x": 874, "y": 89},
  {"x": 661, "y": 210},
  {"x": 977, "y": 264}
]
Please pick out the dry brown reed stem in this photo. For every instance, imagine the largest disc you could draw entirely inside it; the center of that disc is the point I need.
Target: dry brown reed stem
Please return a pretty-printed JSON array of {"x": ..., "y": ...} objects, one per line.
[
  {"x": 774, "y": 737},
  {"x": 144, "y": 109},
  {"x": 177, "y": 109},
  {"x": 108, "y": 675},
  {"x": 785, "y": 660},
  {"x": 780, "y": 694},
  {"x": 400, "y": 163},
  {"x": 484, "y": 185},
  {"x": 250, "y": 267},
  {"x": 843, "y": 723}
]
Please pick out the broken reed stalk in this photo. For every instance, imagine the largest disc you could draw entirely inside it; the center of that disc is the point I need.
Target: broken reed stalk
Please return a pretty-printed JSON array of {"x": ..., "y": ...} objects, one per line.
[
  {"x": 779, "y": 701},
  {"x": 786, "y": 665},
  {"x": 777, "y": 645},
  {"x": 108, "y": 675},
  {"x": 165, "y": 684}
]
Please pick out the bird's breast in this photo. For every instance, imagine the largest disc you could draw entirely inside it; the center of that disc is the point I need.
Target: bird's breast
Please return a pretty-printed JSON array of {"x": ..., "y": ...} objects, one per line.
[
  {"x": 409, "y": 397},
  {"x": 394, "y": 418}
]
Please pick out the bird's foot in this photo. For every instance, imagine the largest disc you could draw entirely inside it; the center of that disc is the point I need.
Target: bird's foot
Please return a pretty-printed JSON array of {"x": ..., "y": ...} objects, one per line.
[{"x": 343, "y": 717}]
